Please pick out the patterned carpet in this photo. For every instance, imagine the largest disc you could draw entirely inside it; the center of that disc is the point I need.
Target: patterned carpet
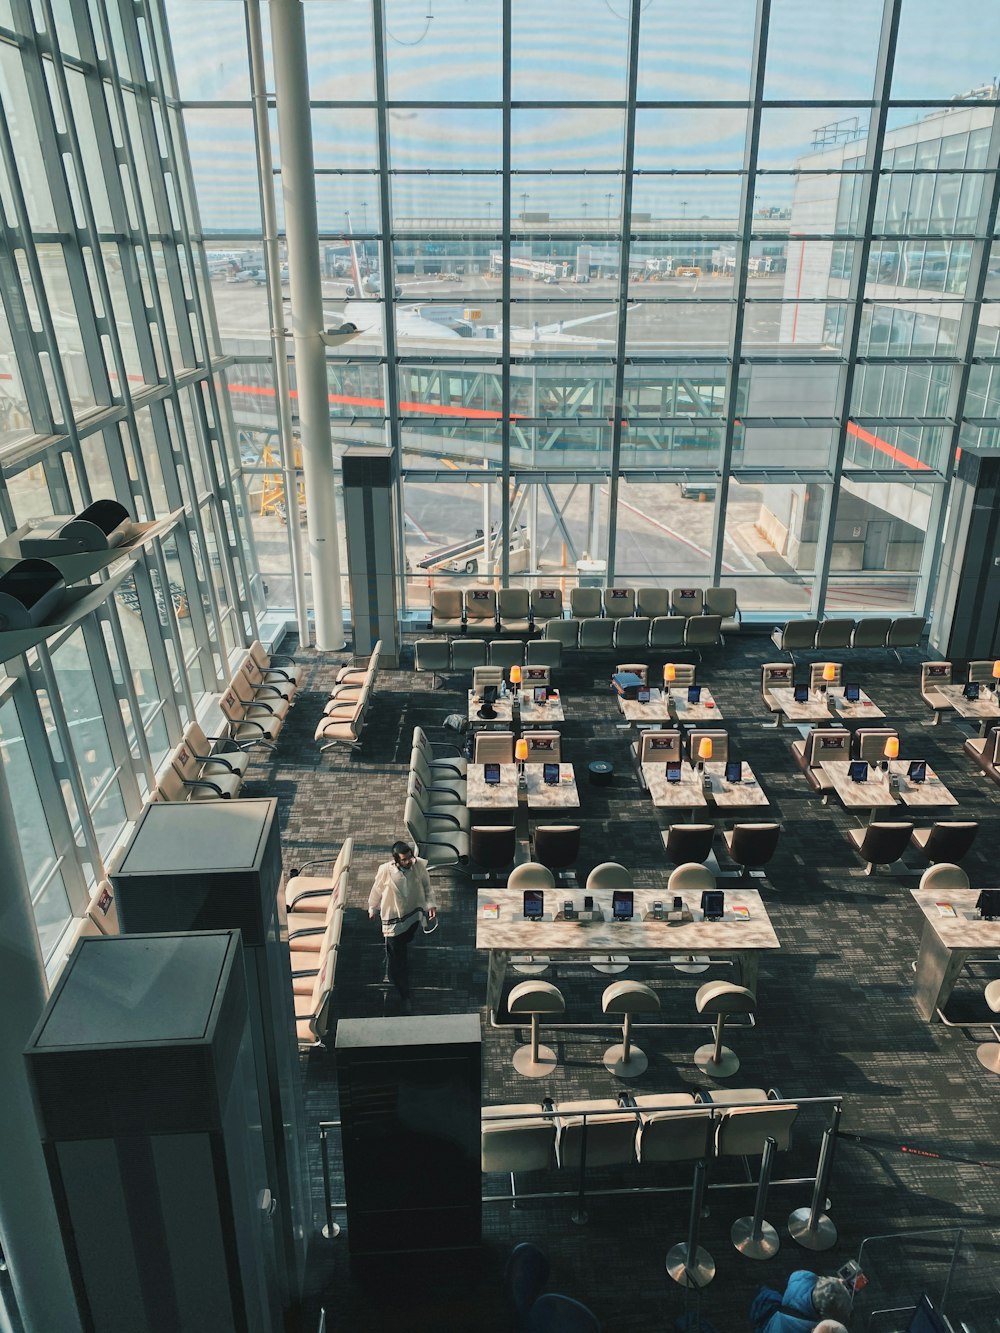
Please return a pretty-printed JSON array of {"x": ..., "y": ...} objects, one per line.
[{"x": 836, "y": 1015}]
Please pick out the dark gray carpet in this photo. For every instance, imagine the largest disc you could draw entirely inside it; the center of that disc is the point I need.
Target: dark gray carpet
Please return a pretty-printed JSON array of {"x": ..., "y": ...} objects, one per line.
[{"x": 836, "y": 1015}]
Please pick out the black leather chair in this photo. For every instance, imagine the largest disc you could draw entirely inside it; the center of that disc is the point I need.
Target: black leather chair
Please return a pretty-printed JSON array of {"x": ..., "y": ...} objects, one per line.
[
  {"x": 946, "y": 841},
  {"x": 752, "y": 845},
  {"x": 491, "y": 849},
  {"x": 556, "y": 846},
  {"x": 881, "y": 844},
  {"x": 689, "y": 842}
]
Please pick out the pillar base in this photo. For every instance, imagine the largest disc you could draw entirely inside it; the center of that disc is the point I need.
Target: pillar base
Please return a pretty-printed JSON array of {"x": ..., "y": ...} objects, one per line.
[
  {"x": 698, "y": 1273},
  {"x": 635, "y": 1066},
  {"x": 727, "y": 1064},
  {"x": 546, "y": 1063},
  {"x": 764, "y": 1246},
  {"x": 823, "y": 1238}
]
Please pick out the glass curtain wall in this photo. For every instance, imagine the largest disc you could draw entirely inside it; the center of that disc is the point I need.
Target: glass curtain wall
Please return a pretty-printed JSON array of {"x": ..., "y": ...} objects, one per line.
[
  {"x": 683, "y": 289},
  {"x": 111, "y": 387}
]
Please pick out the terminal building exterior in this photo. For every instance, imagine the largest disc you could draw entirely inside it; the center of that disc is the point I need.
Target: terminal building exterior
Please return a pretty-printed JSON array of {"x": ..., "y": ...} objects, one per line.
[{"x": 693, "y": 291}]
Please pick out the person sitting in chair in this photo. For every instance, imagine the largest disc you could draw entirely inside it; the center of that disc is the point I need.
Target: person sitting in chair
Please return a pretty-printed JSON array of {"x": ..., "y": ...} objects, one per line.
[{"x": 809, "y": 1304}]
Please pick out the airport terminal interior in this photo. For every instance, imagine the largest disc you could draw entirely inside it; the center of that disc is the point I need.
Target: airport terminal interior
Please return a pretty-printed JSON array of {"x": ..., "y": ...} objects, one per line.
[{"x": 361, "y": 360}]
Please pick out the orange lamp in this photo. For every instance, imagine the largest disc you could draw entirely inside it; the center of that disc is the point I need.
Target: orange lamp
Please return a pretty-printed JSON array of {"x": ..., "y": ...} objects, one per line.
[
  {"x": 996, "y": 670},
  {"x": 515, "y": 675},
  {"x": 705, "y": 748},
  {"x": 830, "y": 672},
  {"x": 891, "y": 750},
  {"x": 521, "y": 750},
  {"x": 669, "y": 672}
]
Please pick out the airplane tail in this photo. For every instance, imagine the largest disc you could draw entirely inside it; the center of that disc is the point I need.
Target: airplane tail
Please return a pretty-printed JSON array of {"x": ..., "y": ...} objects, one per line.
[{"x": 355, "y": 266}]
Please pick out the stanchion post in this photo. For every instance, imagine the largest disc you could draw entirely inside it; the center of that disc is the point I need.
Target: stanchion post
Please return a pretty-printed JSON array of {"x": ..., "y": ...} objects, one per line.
[
  {"x": 687, "y": 1263},
  {"x": 810, "y": 1227},
  {"x": 331, "y": 1230},
  {"x": 579, "y": 1214},
  {"x": 752, "y": 1236}
]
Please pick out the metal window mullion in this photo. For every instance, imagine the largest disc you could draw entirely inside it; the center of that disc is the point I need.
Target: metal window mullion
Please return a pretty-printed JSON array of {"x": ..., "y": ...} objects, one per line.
[
  {"x": 747, "y": 187},
  {"x": 45, "y": 772},
  {"x": 388, "y": 280},
  {"x": 618, "y": 392},
  {"x": 869, "y": 182},
  {"x": 70, "y": 764},
  {"x": 25, "y": 344},
  {"x": 107, "y": 696},
  {"x": 971, "y": 314},
  {"x": 506, "y": 150},
  {"x": 127, "y": 692}
]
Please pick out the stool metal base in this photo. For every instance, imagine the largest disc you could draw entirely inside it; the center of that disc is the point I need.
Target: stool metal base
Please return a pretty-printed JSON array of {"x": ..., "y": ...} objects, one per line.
[
  {"x": 988, "y": 1055},
  {"x": 765, "y": 1246},
  {"x": 698, "y": 1273},
  {"x": 528, "y": 1068},
  {"x": 823, "y": 1238},
  {"x": 727, "y": 1065},
  {"x": 533, "y": 965},
  {"x": 636, "y": 1064},
  {"x": 611, "y": 964},
  {"x": 690, "y": 962}
]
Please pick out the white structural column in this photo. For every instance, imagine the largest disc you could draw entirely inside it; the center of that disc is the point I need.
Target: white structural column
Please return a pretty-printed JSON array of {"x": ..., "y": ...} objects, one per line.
[
  {"x": 29, "y": 1230},
  {"x": 298, "y": 185}
]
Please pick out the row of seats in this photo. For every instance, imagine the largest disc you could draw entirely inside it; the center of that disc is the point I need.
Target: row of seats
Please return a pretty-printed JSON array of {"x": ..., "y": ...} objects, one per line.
[
  {"x": 436, "y": 814},
  {"x": 346, "y": 711},
  {"x": 254, "y": 707},
  {"x": 497, "y": 747},
  {"x": 441, "y": 656},
  {"x": 659, "y": 632},
  {"x": 314, "y": 901},
  {"x": 484, "y": 610},
  {"x": 888, "y": 632},
  {"x": 935, "y": 674},
  {"x": 634, "y": 1127}
]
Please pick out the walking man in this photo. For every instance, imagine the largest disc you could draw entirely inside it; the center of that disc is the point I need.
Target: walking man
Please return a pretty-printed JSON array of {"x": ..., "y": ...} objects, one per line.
[{"x": 400, "y": 894}]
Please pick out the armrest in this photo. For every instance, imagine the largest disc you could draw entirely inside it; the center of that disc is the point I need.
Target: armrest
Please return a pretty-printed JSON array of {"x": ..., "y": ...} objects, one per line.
[
  {"x": 438, "y": 814},
  {"x": 279, "y": 657},
  {"x": 204, "y": 782},
  {"x": 259, "y": 703},
  {"x": 441, "y": 842},
  {"x": 301, "y": 934},
  {"x": 277, "y": 671},
  {"x": 215, "y": 759},
  {"x": 449, "y": 768},
  {"x": 446, "y": 791},
  {"x": 265, "y": 686}
]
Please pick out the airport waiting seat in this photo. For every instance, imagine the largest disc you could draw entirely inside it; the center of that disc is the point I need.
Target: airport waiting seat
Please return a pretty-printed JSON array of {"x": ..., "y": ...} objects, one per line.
[
  {"x": 625, "y": 1059},
  {"x": 307, "y": 892},
  {"x": 821, "y": 745},
  {"x": 439, "y": 850},
  {"x": 564, "y": 632},
  {"x": 722, "y": 602},
  {"x": 718, "y": 737},
  {"x": 505, "y": 653},
  {"x": 639, "y": 669},
  {"x": 944, "y": 878},
  {"x": 543, "y": 652},
  {"x": 985, "y": 750},
  {"x": 981, "y": 671},
  {"x": 834, "y": 634},
  {"x": 687, "y": 602},
  {"x": 686, "y": 843},
  {"x": 905, "y": 632},
  {"x": 752, "y": 845},
  {"x": 660, "y": 746},
  {"x": 531, "y": 875},
  {"x": 441, "y": 818},
  {"x": 277, "y": 668},
  {"x": 632, "y": 632},
  {"x": 206, "y": 781},
  {"x": 467, "y": 654},
  {"x": 684, "y": 674},
  {"x": 596, "y": 633},
  {"x": 795, "y": 635},
  {"x": 869, "y": 743},
  {"x": 881, "y": 844},
  {"x": 988, "y": 1052},
  {"x": 214, "y": 753},
  {"x": 491, "y": 850},
  {"x": 946, "y": 840},
  {"x": 343, "y": 728},
  {"x": 718, "y": 1000},
  {"x": 446, "y": 611},
  {"x": 433, "y": 655},
  {"x": 493, "y": 747},
  {"x": 514, "y": 611},
  {"x": 619, "y": 602},
  {"x": 556, "y": 846},
  {"x": 543, "y": 747},
  {"x": 312, "y": 1021},
  {"x": 702, "y": 632},
  {"x": 535, "y": 998},
  {"x": 442, "y": 787},
  {"x": 545, "y": 604},
  {"x": 610, "y": 1137},
  {"x": 450, "y": 762},
  {"x": 532, "y": 675},
  {"x": 518, "y": 1137},
  {"x": 817, "y": 679},
  {"x": 585, "y": 603},
  {"x": 244, "y": 728},
  {"x": 932, "y": 675},
  {"x": 871, "y": 632},
  {"x": 485, "y": 676},
  {"x": 357, "y": 672},
  {"x": 775, "y": 674},
  {"x": 667, "y": 632},
  {"x": 480, "y": 611},
  {"x": 652, "y": 602}
]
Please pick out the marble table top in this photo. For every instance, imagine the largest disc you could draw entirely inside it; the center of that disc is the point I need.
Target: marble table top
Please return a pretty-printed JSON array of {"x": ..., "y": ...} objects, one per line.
[
  {"x": 747, "y": 792},
  {"x": 657, "y": 710},
  {"x": 503, "y": 707},
  {"x": 932, "y": 791},
  {"x": 863, "y": 795},
  {"x": 839, "y": 706},
  {"x": 987, "y": 705},
  {"x": 964, "y": 930},
  {"x": 481, "y": 795},
  {"x": 510, "y": 931},
  {"x": 684, "y": 795},
  {"x": 815, "y": 709},
  {"x": 540, "y": 715},
  {"x": 563, "y": 795},
  {"x": 706, "y": 710}
]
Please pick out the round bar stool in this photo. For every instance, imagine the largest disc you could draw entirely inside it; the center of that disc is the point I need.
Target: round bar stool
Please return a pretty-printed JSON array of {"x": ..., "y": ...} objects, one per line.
[
  {"x": 535, "y": 998},
  {"x": 719, "y": 999},
  {"x": 531, "y": 875},
  {"x": 628, "y": 998},
  {"x": 692, "y": 878},
  {"x": 988, "y": 1054}
]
